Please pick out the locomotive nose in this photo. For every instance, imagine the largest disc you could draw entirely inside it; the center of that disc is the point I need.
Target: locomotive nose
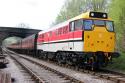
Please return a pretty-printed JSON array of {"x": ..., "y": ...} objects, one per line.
[{"x": 99, "y": 39}]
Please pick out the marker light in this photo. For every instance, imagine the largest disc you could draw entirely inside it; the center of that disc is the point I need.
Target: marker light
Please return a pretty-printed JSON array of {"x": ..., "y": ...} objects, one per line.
[
  {"x": 92, "y": 14},
  {"x": 104, "y": 15}
]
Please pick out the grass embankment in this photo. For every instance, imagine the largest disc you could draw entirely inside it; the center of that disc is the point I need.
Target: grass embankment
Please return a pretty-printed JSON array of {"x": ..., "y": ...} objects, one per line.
[{"x": 118, "y": 63}]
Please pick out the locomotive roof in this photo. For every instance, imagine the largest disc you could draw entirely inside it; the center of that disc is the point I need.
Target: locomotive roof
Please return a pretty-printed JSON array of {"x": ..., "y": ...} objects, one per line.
[{"x": 83, "y": 15}]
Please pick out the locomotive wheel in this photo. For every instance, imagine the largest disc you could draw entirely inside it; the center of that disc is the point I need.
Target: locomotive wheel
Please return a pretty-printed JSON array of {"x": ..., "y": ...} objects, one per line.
[
  {"x": 90, "y": 61},
  {"x": 2, "y": 65},
  {"x": 60, "y": 59},
  {"x": 45, "y": 56},
  {"x": 69, "y": 59}
]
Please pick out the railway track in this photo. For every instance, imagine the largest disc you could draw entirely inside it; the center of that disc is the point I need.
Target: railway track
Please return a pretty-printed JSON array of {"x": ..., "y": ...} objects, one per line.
[
  {"x": 59, "y": 77},
  {"x": 112, "y": 75},
  {"x": 117, "y": 77},
  {"x": 34, "y": 77},
  {"x": 71, "y": 77},
  {"x": 103, "y": 73},
  {"x": 5, "y": 77}
]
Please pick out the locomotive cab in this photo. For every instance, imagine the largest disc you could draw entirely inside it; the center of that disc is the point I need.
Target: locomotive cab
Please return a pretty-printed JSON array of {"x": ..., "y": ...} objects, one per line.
[
  {"x": 99, "y": 39},
  {"x": 99, "y": 36}
]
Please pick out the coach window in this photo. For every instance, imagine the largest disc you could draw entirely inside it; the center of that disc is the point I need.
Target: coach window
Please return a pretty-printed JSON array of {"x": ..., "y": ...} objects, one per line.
[
  {"x": 42, "y": 36},
  {"x": 56, "y": 32},
  {"x": 72, "y": 26},
  {"x": 50, "y": 33},
  {"x": 64, "y": 30},
  {"x": 60, "y": 31},
  {"x": 78, "y": 24}
]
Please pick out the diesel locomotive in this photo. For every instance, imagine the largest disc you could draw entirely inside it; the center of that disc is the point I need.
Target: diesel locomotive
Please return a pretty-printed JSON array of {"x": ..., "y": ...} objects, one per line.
[{"x": 86, "y": 40}]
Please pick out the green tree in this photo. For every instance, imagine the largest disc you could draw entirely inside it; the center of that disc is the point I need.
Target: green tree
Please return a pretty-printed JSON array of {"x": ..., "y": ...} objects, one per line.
[
  {"x": 72, "y": 8},
  {"x": 117, "y": 13},
  {"x": 98, "y": 5}
]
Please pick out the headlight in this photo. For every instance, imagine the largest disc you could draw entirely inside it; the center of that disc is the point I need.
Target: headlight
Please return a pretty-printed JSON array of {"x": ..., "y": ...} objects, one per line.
[
  {"x": 92, "y": 14},
  {"x": 104, "y": 15}
]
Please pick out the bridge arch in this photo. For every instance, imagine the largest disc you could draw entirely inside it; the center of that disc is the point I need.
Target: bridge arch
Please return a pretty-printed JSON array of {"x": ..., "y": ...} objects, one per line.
[{"x": 6, "y": 32}]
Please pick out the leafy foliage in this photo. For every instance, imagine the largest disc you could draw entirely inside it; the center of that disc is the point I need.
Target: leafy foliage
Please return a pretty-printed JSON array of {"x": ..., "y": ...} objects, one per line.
[
  {"x": 117, "y": 13},
  {"x": 73, "y": 8},
  {"x": 118, "y": 64}
]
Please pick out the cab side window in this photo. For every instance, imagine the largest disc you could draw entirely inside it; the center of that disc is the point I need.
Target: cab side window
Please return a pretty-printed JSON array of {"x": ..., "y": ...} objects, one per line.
[
  {"x": 87, "y": 24},
  {"x": 72, "y": 24},
  {"x": 78, "y": 24}
]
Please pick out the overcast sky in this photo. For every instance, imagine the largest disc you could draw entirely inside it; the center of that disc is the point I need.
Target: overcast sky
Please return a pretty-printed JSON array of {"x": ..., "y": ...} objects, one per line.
[{"x": 38, "y": 14}]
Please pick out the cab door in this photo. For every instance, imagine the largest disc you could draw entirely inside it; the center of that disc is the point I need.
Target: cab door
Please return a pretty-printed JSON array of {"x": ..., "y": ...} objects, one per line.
[{"x": 71, "y": 36}]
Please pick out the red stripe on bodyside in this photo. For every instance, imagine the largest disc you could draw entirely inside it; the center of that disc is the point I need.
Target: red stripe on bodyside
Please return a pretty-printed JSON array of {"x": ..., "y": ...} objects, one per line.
[{"x": 70, "y": 35}]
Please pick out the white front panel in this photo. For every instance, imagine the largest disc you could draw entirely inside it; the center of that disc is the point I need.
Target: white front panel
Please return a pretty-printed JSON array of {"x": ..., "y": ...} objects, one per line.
[{"x": 65, "y": 46}]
